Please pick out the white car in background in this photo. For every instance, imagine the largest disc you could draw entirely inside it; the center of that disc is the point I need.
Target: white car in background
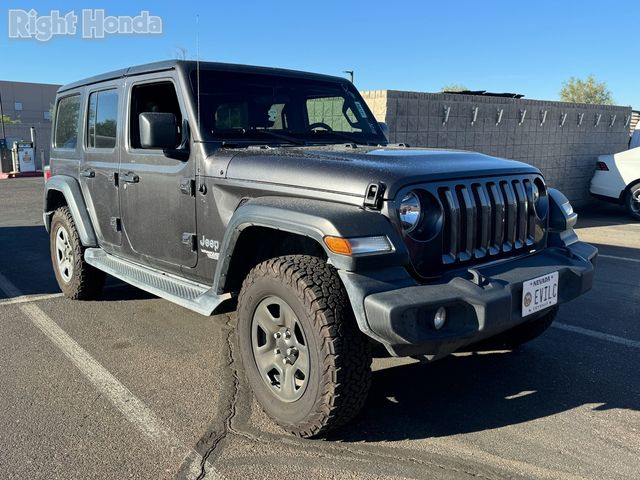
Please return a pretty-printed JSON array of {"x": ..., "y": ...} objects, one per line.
[{"x": 617, "y": 177}]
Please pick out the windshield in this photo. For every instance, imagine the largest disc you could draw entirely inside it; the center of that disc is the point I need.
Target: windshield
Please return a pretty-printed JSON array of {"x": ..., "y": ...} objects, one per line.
[{"x": 267, "y": 108}]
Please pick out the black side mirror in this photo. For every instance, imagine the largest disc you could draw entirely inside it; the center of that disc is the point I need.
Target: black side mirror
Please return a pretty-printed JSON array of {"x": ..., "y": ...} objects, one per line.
[{"x": 158, "y": 130}]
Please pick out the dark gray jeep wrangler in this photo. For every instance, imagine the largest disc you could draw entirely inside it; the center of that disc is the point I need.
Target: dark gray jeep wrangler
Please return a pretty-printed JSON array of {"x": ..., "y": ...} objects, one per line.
[{"x": 278, "y": 188}]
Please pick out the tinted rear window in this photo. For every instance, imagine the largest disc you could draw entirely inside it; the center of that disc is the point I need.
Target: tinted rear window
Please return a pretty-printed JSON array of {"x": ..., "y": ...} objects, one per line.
[
  {"x": 66, "y": 130},
  {"x": 103, "y": 119}
]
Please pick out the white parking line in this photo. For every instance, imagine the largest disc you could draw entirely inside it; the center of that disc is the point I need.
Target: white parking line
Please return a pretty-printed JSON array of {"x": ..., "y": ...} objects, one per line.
[
  {"x": 29, "y": 298},
  {"x": 595, "y": 334},
  {"x": 624, "y": 259},
  {"x": 120, "y": 396},
  {"x": 37, "y": 298}
]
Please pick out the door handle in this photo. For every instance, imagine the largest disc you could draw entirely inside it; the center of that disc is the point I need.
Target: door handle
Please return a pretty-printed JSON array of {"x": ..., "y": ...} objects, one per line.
[
  {"x": 88, "y": 173},
  {"x": 130, "y": 177}
]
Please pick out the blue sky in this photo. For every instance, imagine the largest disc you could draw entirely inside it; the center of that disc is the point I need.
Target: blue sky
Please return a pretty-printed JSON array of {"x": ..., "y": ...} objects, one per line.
[{"x": 527, "y": 47}]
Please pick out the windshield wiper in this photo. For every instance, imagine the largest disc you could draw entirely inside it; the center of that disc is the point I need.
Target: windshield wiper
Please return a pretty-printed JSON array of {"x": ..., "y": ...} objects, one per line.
[
  {"x": 252, "y": 134},
  {"x": 281, "y": 136}
]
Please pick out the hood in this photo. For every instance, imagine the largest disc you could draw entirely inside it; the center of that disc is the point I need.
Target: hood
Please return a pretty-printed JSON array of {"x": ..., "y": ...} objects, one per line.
[{"x": 350, "y": 170}]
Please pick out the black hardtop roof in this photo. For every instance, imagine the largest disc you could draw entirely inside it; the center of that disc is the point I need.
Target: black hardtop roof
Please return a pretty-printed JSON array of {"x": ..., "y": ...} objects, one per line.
[{"x": 188, "y": 65}]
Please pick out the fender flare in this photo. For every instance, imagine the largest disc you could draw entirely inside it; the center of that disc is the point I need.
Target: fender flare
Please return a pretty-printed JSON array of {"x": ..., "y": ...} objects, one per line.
[
  {"x": 70, "y": 189},
  {"x": 314, "y": 219}
]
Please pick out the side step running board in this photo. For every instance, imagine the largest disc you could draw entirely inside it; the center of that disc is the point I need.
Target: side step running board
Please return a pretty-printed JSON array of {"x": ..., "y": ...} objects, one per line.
[{"x": 194, "y": 296}]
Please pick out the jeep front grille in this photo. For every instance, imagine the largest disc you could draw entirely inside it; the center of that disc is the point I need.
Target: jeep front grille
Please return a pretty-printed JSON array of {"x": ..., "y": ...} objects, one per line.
[{"x": 487, "y": 218}]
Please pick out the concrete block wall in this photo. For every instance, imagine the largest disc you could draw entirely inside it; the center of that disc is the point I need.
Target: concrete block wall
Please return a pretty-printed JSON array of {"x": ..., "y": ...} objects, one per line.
[{"x": 565, "y": 153}]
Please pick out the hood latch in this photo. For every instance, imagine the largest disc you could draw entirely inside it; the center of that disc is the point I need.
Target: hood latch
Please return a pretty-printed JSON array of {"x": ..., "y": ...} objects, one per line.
[{"x": 373, "y": 196}]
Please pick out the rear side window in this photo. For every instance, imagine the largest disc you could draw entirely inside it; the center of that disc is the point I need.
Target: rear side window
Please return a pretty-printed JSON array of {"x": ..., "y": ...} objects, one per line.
[
  {"x": 102, "y": 121},
  {"x": 66, "y": 130}
]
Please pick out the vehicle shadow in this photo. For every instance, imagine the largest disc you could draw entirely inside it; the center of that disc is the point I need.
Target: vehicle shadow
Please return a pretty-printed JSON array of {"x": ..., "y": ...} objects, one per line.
[
  {"x": 601, "y": 214},
  {"x": 26, "y": 263},
  {"x": 617, "y": 251},
  {"x": 476, "y": 392}
]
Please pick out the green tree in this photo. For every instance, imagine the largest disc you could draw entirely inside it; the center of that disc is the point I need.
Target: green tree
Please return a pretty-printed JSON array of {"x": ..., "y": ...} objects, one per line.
[
  {"x": 454, "y": 87},
  {"x": 10, "y": 121},
  {"x": 589, "y": 90},
  {"x": 107, "y": 128}
]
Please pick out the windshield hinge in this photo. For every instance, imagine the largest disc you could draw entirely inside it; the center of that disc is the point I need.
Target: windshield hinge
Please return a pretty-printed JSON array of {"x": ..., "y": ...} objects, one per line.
[
  {"x": 190, "y": 240},
  {"x": 373, "y": 196},
  {"x": 116, "y": 225}
]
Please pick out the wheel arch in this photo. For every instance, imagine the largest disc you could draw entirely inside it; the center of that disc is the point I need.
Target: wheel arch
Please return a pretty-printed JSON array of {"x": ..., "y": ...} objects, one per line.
[
  {"x": 261, "y": 243},
  {"x": 63, "y": 190},
  {"x": 304, "y": 222},
  {"x": 632, "y": 184}
]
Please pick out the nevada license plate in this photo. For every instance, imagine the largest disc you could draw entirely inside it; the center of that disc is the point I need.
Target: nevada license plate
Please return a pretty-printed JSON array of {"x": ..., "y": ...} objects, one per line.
[{"x": 539, "y": 293}]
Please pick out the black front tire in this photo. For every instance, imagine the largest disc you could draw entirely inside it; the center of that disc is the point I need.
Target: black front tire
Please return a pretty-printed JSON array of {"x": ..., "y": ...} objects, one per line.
[
  {"x": 77, "y": 279},
  {"x": 339, "y": 359},
  {"x": 631, "y": 202}
]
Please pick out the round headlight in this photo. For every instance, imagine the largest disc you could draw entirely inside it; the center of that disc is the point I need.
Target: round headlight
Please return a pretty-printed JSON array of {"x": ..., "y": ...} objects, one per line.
[{"x": 410, "y": 211}]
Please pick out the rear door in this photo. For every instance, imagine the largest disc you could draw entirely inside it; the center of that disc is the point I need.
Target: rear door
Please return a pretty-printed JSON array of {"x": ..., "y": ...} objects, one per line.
[
  {"x": 101, "y": 158},
  {"x": 157, "y": 197}
]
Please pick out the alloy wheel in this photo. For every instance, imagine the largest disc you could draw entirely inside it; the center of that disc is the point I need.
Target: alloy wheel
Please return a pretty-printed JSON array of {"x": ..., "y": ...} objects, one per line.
[{"x": 64, "y": 254}]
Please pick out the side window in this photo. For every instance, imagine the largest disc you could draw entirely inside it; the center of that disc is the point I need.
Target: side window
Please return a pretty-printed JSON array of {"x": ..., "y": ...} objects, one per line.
[
  {"x": 153, "y": 97},
  {"x": 66, "y": 129},
  {"x": 329, "y": 110},
  {"x": 102, "y": 121}
]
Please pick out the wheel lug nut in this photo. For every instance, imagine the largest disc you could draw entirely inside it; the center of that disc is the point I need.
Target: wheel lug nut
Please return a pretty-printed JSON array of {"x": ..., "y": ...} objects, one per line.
[
  {"x": 277, "y": 351},
  {"x": 277, "y": 334},
  {"x": 287, "y": 334}
]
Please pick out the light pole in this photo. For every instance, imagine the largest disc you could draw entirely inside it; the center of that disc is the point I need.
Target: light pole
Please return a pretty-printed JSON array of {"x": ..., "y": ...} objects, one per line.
[
  {"x": 3, "y": 140},
  {"x": 350, "y": 73},
  {"x": 4, "y": 137}
]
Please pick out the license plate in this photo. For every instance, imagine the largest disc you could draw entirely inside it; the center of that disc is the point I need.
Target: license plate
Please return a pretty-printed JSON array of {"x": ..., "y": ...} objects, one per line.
[{"x": 539, "y": 293}]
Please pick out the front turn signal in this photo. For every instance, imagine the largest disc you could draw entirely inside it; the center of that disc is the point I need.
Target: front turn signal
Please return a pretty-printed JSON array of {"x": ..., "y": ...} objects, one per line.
[
  {"x": 359, "y": 245},
  {"x": 338, "y": 245}
]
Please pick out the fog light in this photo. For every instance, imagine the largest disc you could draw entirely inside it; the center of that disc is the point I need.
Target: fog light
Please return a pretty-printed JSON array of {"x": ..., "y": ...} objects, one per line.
[{"x": 440, "y": 318}]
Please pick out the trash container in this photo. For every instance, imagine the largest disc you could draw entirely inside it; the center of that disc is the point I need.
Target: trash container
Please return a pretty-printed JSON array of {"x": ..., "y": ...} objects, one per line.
[{"x": 24, "y": 156}]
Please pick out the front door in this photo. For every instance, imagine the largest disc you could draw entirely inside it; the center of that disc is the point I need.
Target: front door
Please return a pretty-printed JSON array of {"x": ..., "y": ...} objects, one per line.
[
  {"x": 157, "y": 198},
  {"x": 99, "y": 168}
]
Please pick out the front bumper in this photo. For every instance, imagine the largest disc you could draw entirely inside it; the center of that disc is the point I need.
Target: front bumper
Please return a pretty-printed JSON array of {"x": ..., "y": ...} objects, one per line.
[{"x": 480, "y": 302}]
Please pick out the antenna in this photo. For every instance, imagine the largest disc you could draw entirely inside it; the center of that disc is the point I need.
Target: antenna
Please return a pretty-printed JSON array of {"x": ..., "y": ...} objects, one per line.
[
  {"x": 198, "y": 68},
  {"x": 4, "y": 137}
]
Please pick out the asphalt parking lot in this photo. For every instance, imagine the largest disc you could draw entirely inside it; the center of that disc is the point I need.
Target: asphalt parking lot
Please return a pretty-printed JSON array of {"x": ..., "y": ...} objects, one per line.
[{"x": 132, "y": 386}]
